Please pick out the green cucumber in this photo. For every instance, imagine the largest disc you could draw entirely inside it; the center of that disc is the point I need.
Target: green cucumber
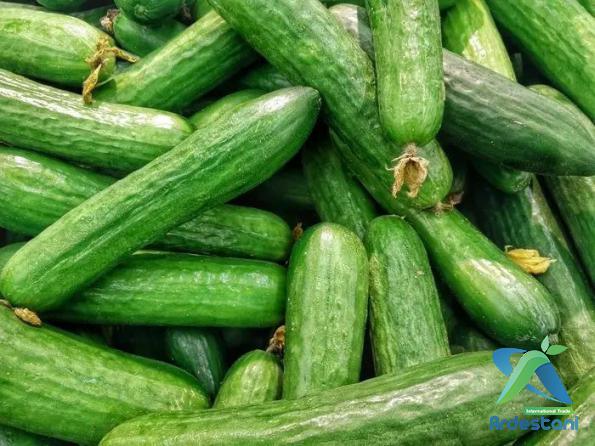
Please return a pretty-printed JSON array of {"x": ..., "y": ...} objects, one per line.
[
  {"x": 200, "y": 8},
  {"x": 524, "y": 220},
  {"x": 468, "y": 29},
  {"x": 559, "y": 36},
  {"x": 447, "y": 401},
  {"x": 10, "y": 4},
  {"x": 303, "y": 40},
  {"x": 52, "y": 47},
  {"x": 467, "y": 338},
  {"x": 212, "y": 166},
  {"x": 327, "y": 298},
  {"x": 150, "y": 11},
  {"x": 352, "y": 17},
  {"x": 198, "y": 351},
  {"x": 589, "y": 5},
  {"x": 509, "y": 305},
  {"x": 61, "y": 385},
  {"x": 62, "y": 5},
  {"x": 265, "y": 77},
  {"x": 92, "y": 16},
  {"x": 406, "y": 323},
  {"x": 16, "y": 437},
  {"x": 408, "y": 68},
  {"x": 460, "y": 171},
  {"x": 6, "y": 252},
  {"x": 188, "y": 66},
  {"x": 115, "y": 137},
  {"x": 214, "y": 111},
  {"x": 338, "y": 197},
  {"x": 254, "y": 378}
]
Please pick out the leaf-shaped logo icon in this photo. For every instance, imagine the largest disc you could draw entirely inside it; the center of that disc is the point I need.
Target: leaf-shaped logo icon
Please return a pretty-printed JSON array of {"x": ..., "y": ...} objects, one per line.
[
  {"x": 554, "y": 350},
  {"x": 545, "y": 344}
]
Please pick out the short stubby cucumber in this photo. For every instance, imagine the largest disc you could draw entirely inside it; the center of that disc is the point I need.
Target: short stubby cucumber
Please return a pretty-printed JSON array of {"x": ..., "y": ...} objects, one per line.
[
  {"x": 327, "y": 299},
  {"x": 212, "y": 112},
  {"x": 150, "y": 11},
  {"x": 210, "y": 167}
]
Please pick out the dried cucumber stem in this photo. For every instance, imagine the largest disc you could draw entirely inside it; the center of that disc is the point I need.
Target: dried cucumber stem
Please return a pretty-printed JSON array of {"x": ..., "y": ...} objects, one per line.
[
  {"x": 297, "y": 232},
  {"x": 409, "y": 169},
  {"x": 529, "y": 260},
  {"x": 24, "y": 314},
  {"x": 277, "y": 342},
  {"x": 449, "y": 203},
  {"x": 107, "y": 22}
]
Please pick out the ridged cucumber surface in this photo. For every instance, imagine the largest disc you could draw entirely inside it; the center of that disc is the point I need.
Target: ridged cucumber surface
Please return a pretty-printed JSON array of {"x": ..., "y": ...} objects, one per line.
[{"x": 224, "y": 105}]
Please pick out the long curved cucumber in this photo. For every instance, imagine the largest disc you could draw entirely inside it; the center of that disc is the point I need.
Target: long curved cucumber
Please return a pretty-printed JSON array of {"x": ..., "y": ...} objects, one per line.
[
  {"x": 150, "y": 11},
  {"x": 406, "y": 324},
  {"x": 61, "y": 385},
  {"x": 16, "y": 437},
  {"x": 256, "y": 377},
  {"x": 212, "y": 166},
  {"x": 447, "y": 401},
  {"x": 327, "y": 299},
  {"x": 212, "y": 112}
]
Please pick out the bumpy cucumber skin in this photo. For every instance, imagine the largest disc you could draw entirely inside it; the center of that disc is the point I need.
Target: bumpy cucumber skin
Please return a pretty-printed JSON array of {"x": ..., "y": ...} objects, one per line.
[
  {"x": 49, "y": 46},
  {"x": 327, "y": 299},
  {"x": 338, "y": 197},
  {"x": 507, "y": 303},
  {"x": 496, "y": 119},
  {"x": 224, "y": 105},
  {"x": 419, "y": 406},
  {"x": 256, "y": 377},
  {"x": 406, "y": 323},
  {"x": 141, "y": 208},
  {"x": 58, "y": 384},
  {"x": 150, "y": 11},
  {"x": 408, "y": 68},
  {"x": 16, "y": 437},
  {"x": 304, "y": 52},
  {"x": 559, "y": 36},
  {"x": 188, "y": 66},
  {"x": 468, "y": 29},
  {"x": 524, "y": 220},
  {"x": 199, "y": 351},
  {"x": 182, "y": 290},
  {"x": 116, "y": 137}
]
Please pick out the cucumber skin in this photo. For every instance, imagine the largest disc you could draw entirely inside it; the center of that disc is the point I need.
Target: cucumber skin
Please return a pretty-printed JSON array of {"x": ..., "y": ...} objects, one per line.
[
  {"x": 199, "y": 351},
  {"x": 508, "y": 304},
  {"x": 406, "y": 323},
  {"x": 116, "y": 137},
  {"x": 188, "y": 66},
  {"x": 352, "y": 17},
  {"x": 524, "y": 220},
  {"x": 566, "y": 58},
  {"x": 150, "y": 11},
  {"x": 325, "y": 320},
  {"x": 338, "y": 197},
  {"x": 108, "y": 386},
  {"x": 589, "y": 5},
  {"x": 408, "y": 68},
  {"x": 214, "y": 111},
  {"x": 62, "y": 5},
  {"x": 415, "y": 407},
  {"x": 49, "y": 46},
  {"x": 182, "y": 290},
  {"x": 256, "y": 377},
  {"x": 92, "y": 16},
  {"x": 17, "y": 437},
  {"x": 175, "y": 187},
  {"x": 347, "y": 87},
  {"x": 141, "y": 39},
  {"x": 35, "y": 191}
]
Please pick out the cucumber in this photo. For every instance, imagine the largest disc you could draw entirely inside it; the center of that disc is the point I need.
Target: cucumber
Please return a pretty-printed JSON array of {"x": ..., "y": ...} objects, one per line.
[
  {"x": 10, "y": 4},
  {"x": 447, "y": 401},
  {"x": 352, "y": 17},
  {"x": 62, "y": 5},
  {"x": 17, "y": 437},
  {"x": 92, "y": 16},
  {"x": 468, "y": 29},
  {"x": 264, "y": 77},
  {"x": 251, "y": 143},
  {"x": 6, "y": 252},
  {"x": 35, "y": 191},
  {"x": 589, "y": 5},
  {"x": 115, "y": 137},
  {"x": 406, "y": 323},
  {"x": 327, "y": 298},
  {"x": 199, "y": 351},
  {"x": 338, "y": 197},
  {"x": 408, "y": 68},
  {"x": 188, "y": 66},
  {"x": 559, "y": 36},
  {"x": 467, "y": 338},
  {"x": 254, "y": 378},
  {"x": 200, "y": 8},
  {"x": 508, "y": 304},
  {"x": 45, "y": 370},
  {"x": 305, "y": 42},
  {"x": 214, "y": 111},
  {"x": 460, "y": 171},
  {"x": 524, "y": 220},
  {"x": 150, "y": 11},
  {"x": 52, "y": 47}
]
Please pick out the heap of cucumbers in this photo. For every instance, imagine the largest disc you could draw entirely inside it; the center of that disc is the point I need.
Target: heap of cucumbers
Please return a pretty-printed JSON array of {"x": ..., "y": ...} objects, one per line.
[{"x": 237, "y": 222}]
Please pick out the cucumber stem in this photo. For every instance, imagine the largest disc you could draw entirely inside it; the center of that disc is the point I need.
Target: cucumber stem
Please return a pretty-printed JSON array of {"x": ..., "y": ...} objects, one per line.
[
  {"x": 530, "y": 260},
  {"x": 277, "y": 342},
  {"x": 410, "y": 170}
]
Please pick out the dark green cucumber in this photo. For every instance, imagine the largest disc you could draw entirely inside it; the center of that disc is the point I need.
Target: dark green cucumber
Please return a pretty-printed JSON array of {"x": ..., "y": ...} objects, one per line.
[
  {"x": 6, "y": 252},
  {"x": 214, "y": 111},
  {"x": 16, "y": 437},
  {"x": 58, "y": 384},
  {"x": 508, "y": 304},
  {"x": 116, "y": 137},
  {"x": 466, "y": 338},
  {"x": 559, "y": 36},
  {"x": 62, "y": 5},
  {"x": 351, "y": 17},
  {"x": 406, "y": 324},
  {"x": 408, "y": 68},
  {"x": 52, "y": 47},
  {"x": 338, "y": 197},
  {"x": 327, "y": 298},
  {"x": 199, "y": 351},
  {"x": 468, "y": 29},
  {"x": 200, "y": 8},
  {"x": 265, "y": 77},
  {"x": 448, "y": 401},
  {"x": 524, "y": 220},
  {"x": 254, "y": 378},
  {"x": 460, "y": 171},
  {"x": 150, "y": 11},
  {"x": 212, "y": 166},
  {"x": 188, "y": 66},
  {"x": 92, "y": 16},
  {"x": 589, "y": 5},
  {"x": 146, "y": 341},
  {"x": 303, "y": 40}
]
